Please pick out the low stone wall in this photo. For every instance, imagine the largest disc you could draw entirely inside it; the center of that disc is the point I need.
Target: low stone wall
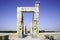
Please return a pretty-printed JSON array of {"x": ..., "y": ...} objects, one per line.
[
  {"x": 11, "y": 35},
  {"x": 56, "y": 35},
  {"x": 40, "y": 35},
  {"x": 5, "y": 37}
]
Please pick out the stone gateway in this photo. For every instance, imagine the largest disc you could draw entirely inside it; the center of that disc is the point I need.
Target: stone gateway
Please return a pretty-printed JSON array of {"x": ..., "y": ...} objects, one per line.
[{"x": 20, "y": 20}]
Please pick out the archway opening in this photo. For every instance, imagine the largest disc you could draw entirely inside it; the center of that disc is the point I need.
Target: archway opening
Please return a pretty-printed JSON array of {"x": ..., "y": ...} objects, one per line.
[{"x": 28, "y": 18}]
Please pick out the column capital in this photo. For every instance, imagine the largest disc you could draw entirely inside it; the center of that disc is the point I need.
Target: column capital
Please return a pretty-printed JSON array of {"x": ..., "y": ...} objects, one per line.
[{"x": 37, "y": 3}]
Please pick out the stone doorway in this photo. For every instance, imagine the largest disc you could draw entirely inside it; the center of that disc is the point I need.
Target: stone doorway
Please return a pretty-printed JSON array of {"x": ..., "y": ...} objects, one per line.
[{"x": 21, "y": 27}]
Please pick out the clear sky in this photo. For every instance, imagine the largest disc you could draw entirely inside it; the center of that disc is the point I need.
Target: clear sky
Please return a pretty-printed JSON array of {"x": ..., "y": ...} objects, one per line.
[{"x": 49, "y": 14}]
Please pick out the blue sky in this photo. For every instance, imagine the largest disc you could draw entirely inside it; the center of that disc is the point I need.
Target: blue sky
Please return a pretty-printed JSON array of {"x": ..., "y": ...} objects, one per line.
[{"x": 49, "y": 14}]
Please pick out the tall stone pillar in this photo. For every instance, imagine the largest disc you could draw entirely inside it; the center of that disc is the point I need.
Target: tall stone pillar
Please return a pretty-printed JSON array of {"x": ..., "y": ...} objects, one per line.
[
  {"x": 19, "y": 24},
  {"x": 35, "y": 24}
]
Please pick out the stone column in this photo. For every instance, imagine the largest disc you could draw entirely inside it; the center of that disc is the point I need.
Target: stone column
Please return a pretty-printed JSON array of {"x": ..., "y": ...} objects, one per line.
[
  {"x": 35, "y": 24},
  {"x": 19, "y": 24},
  {"x": 25, "y": 29}
]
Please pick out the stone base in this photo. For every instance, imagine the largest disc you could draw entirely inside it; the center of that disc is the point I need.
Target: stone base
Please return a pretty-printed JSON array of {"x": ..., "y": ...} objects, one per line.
[
  {"x": 34, "y": 36},
  {"x": 26, "y": 38}
]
